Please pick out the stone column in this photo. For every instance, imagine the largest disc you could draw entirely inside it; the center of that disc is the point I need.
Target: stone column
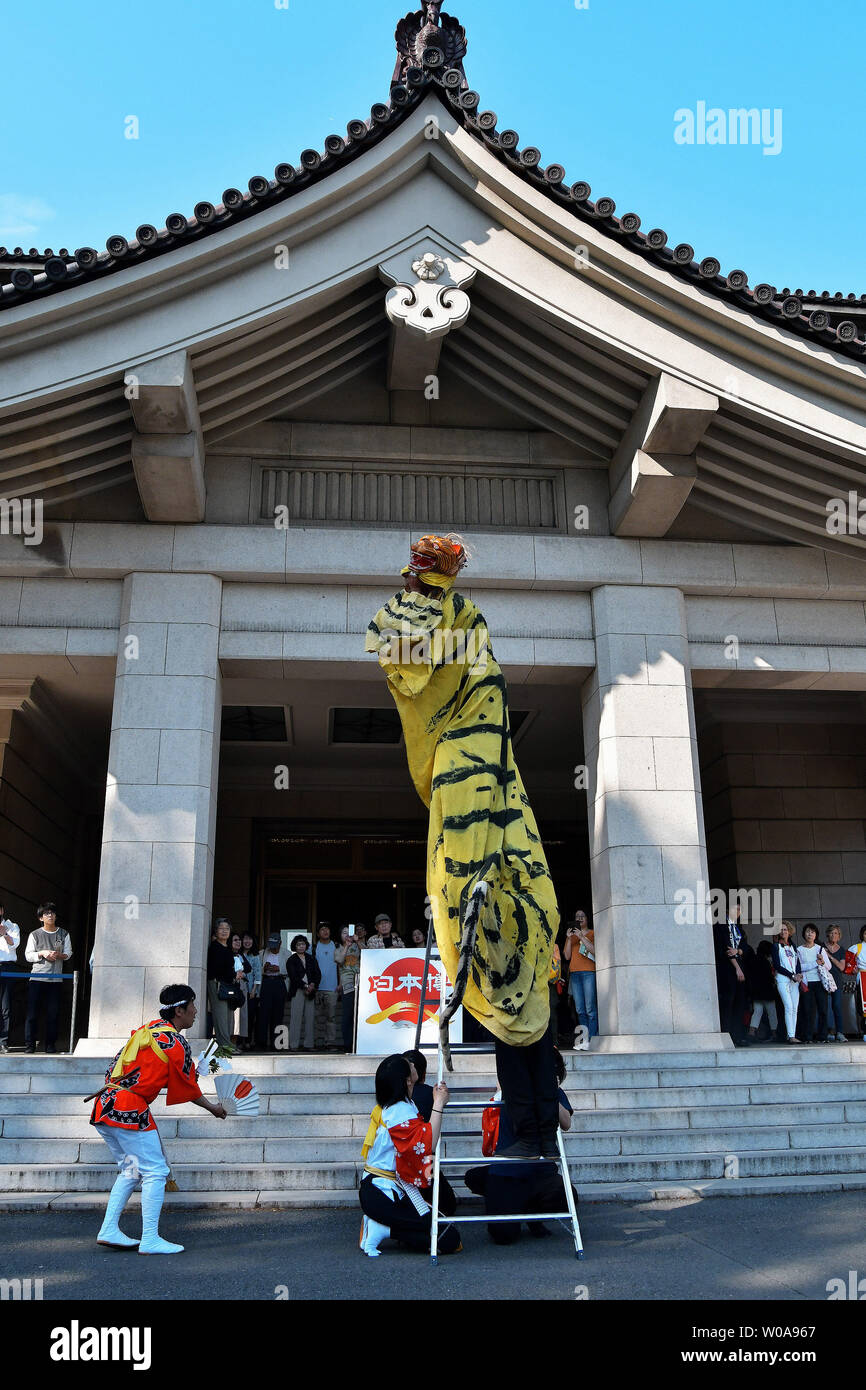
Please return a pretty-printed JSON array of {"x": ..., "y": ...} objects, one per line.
[
  {"x": 156, "y": 873},
  {"x": 656, "y": 978}
]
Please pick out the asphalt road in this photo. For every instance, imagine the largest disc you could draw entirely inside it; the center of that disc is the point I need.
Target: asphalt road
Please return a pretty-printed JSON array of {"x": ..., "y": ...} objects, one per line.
[{"x": 754, "y": 1248}]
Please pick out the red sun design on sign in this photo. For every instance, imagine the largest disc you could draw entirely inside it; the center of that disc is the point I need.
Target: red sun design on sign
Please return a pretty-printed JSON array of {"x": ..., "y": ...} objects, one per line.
[{"x": 398, "y": 991}]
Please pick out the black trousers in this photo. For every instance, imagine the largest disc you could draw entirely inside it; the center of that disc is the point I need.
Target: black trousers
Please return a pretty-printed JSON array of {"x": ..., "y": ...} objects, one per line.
[
  {"x": 403, "y": 1220},
  {"x": 347, "y": 1019},
  {"x": 507, "y": 1189},
  {"x": 6, "y": 988},
  {"x": 812, "y": 1018},
  {"x": 272, "y": 1003},
  {"x": 252, "y": 1019},
  {"x": 527, "y": 1076},
  {"x": 42, "y": 995},
  {"x": 732, "y": 1003}
]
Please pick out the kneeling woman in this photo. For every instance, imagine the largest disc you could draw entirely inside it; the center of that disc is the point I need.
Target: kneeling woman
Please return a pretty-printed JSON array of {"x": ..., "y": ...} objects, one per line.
[{"x": 398, "y": 1153}]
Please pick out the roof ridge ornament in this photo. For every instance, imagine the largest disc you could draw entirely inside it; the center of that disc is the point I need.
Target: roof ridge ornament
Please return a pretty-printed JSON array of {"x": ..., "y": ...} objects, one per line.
[{"x": 429, "y": 39}]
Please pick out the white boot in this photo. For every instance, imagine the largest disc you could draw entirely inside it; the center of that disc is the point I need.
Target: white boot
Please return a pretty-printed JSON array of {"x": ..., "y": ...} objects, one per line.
[
  {"x": 110, "y": 1233},
  {"x": 152, "y": 1197},
  {"x": 372, "y": 1236}
]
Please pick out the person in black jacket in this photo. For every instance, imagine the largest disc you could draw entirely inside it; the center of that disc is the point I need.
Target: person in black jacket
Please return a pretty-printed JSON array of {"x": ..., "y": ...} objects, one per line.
[
  {"x": 272, "y": 1002},
  {"x": 305, "y": 977},
  {"x": 761, "y": 984},
  {"x": 422, "y": 1094},
  {"x": 220, "y": 971},
  {"x": 732, "y": 951}
]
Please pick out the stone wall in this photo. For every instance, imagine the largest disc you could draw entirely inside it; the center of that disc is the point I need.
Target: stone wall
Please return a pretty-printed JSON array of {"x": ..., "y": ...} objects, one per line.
[
  {"x": 49, "y": 830},
  {"x": 43, "y": 819},
  {"x": 784, "y": 805}
]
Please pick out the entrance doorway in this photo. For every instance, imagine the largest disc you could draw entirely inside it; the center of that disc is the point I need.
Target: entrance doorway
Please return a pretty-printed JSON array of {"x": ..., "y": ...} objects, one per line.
[
  {"x": 294, "y": 906},
  {"x": 341, "y": 876},
  {"x": 306, "y": 878}
]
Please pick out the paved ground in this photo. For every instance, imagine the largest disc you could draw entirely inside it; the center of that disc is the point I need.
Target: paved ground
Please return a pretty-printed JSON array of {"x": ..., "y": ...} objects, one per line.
[{"x": 755, "y": 1248}]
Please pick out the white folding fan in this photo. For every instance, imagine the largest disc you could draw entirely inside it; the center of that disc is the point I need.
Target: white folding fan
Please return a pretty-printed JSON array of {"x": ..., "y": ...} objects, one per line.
[{"x": 237, "y": 1094}]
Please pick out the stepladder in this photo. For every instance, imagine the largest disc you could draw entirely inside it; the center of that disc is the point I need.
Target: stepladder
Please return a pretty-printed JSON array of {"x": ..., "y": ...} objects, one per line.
[{"x": 465, "y": 1099}]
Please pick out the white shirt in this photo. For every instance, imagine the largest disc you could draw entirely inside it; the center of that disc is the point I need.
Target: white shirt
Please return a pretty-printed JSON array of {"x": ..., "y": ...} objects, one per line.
[
  {"x": 789, "y": 955},
  {"x": 808, "y": 957},
  {"x": 9, "y": 954}
]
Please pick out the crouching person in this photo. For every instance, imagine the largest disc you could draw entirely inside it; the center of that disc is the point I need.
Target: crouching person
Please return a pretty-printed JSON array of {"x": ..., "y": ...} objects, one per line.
[
  {"x": 155, "y": 1058},
  {"x": 512, "y": 1188},
  {"x": 398, "y": 1153}
]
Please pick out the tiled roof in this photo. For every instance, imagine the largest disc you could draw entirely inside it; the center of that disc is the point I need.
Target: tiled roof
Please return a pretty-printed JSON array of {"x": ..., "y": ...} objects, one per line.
[{"x": 834, "y": 321}]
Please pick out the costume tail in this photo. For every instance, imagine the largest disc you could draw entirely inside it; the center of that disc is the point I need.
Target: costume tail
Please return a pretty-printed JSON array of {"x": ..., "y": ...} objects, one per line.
[{"x": 467, "y": 950}]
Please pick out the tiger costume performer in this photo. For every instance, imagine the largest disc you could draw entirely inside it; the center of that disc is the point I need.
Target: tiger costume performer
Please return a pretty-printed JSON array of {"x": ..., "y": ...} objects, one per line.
[{"x": 493, "y": 903}]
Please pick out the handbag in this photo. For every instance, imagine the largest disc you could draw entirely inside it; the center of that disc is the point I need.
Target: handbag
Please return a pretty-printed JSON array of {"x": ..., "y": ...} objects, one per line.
[
  {"x": 825, "y": 974},
  {"x": 231, "y": 994},
  {"x": 489, "y": 1130}
]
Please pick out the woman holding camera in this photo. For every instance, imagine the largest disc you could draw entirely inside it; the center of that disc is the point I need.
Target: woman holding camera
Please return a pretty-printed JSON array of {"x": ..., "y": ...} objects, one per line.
[{"x": 579, "y": 951}]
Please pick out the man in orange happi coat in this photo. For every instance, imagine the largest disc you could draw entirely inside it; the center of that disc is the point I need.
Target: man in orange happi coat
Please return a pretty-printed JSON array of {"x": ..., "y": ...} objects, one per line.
[{"x": 155, "y": 1057}]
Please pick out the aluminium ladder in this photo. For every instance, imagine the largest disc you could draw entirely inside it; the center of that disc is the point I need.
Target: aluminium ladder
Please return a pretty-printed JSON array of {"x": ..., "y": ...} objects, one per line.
[{"x": 567, "y": 1219}]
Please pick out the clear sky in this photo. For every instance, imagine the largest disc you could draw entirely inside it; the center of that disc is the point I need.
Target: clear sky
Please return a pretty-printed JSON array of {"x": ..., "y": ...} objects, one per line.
[{"x": 224, "y": 89}]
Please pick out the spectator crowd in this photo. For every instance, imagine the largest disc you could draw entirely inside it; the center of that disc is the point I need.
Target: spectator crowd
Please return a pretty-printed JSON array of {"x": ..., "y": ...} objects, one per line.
[
  {"x": 793, "y": 986},
  {"x": 788, "y": 991}
]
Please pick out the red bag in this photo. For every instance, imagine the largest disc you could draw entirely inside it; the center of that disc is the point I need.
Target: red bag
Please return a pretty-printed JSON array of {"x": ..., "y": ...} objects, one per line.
[{"x": 490, "y": 1130}]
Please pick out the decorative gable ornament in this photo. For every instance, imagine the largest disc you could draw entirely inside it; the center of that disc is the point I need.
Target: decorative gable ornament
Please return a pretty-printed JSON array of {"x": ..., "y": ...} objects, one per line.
[
  {"x": 429, "y": 39},
  {"x": 428, "y": 309}
]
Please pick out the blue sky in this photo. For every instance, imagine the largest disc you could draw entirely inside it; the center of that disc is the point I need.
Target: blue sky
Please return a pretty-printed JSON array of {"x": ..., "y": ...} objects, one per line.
[{"x": 224, "y": 89}]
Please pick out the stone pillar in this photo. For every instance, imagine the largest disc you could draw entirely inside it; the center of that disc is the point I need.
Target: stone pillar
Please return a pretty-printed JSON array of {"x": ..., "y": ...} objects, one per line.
[
  {"x": 156, "y": 873},
  {"x": 656, "y": 978}
]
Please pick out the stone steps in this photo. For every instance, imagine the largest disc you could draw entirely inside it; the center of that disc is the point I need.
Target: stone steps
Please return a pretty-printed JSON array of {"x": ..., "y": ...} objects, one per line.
[
  {"x": 585, "y": 1062},
  {"x": 654, "y": 1124},
  {"x": 44, "y": 1173},
  {"x": 817, "y": 1141},
  {"x": 353, "y": 1124},
  {"x": 329, "y": 1198}
]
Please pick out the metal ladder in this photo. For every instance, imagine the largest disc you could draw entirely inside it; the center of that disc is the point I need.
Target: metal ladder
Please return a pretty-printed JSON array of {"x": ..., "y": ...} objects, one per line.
[{"x": 567, "y": 1219}]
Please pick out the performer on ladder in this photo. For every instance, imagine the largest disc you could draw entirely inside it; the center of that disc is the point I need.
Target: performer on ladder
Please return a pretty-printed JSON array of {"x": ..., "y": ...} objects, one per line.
[
  {"x": 155, "y": 1057},
  {"x": 493, "y": 903}
]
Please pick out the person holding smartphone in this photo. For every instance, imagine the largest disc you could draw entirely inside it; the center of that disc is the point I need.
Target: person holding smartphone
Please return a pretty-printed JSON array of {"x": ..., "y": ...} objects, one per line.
[
  {"x": 348, "y": 959},
  {"x": 579, "y": 951}
]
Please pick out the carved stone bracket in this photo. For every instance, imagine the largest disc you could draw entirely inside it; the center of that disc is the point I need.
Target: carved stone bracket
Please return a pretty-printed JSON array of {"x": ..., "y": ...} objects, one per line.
[
  {"x": 426, "y": 302},
  {"x": 167, "y": 448},
  {"x": 654, "y": 469}
]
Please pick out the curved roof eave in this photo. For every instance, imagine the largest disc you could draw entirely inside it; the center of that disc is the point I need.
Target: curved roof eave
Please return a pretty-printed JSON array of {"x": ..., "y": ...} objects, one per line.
[{"x": 818, "y": 318}]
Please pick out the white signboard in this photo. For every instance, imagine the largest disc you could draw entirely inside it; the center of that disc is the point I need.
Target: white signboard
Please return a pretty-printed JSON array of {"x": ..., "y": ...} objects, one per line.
[{"x": 389, "y": 994}]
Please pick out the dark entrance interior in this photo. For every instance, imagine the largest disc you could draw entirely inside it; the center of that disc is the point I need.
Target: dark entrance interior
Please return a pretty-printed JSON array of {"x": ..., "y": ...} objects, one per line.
[{"x": 305, "y": 876}]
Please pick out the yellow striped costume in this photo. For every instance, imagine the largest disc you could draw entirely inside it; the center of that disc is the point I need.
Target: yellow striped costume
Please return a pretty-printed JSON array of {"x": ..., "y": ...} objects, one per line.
[{"x": 453, "y": 704}]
